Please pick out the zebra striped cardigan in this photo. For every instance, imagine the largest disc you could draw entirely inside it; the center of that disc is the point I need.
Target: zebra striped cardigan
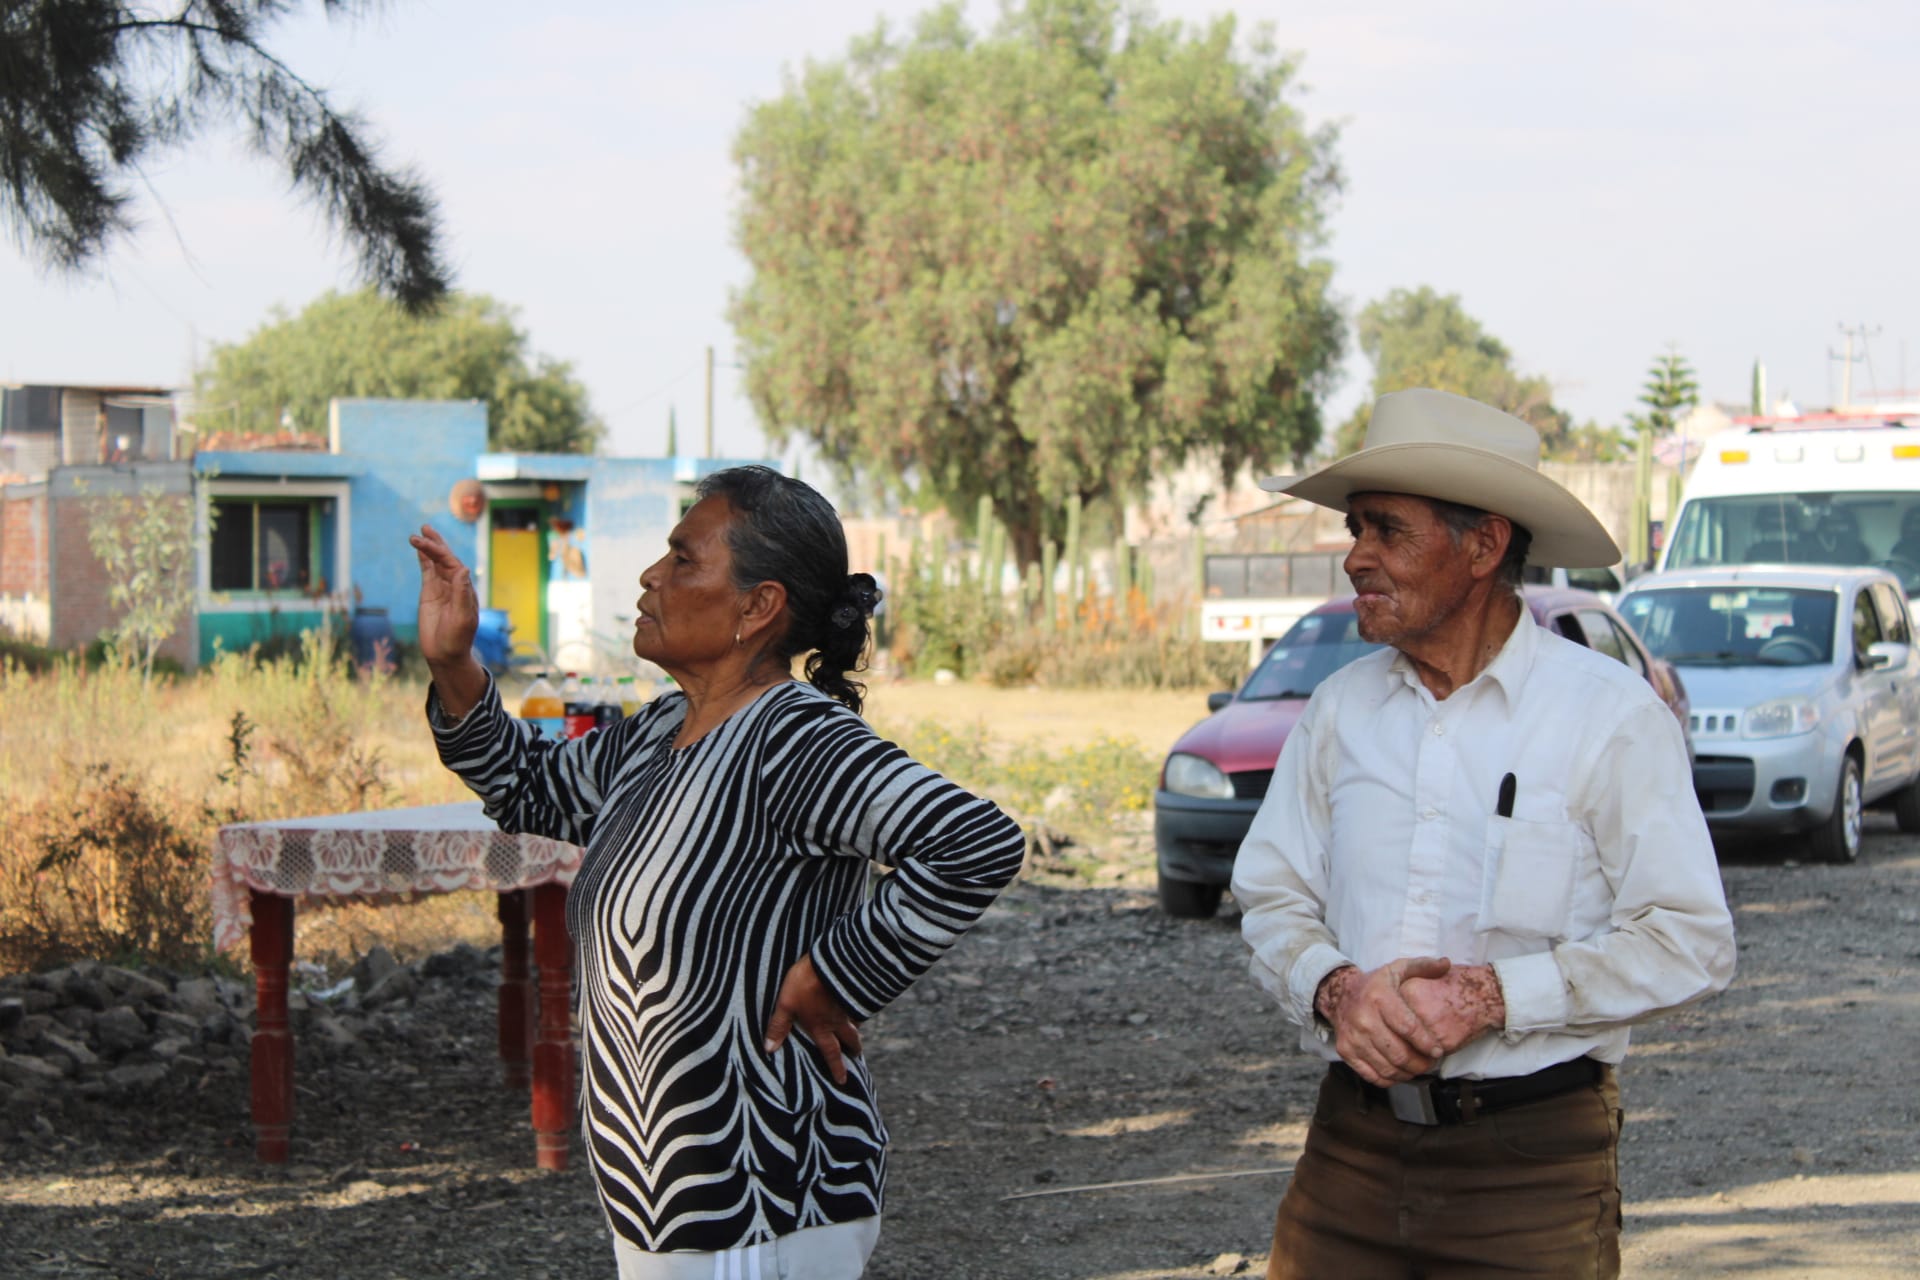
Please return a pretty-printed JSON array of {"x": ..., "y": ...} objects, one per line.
[{"x": 709, "y": 870}]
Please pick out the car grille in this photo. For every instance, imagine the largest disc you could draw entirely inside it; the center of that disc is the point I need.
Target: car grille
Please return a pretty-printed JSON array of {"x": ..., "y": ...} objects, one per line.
[
  {"x": 1251, "y": 784},
  {"x": 1724, "y": 784}
]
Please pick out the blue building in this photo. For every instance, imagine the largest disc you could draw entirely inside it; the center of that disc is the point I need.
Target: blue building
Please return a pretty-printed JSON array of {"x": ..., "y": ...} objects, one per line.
[{"x": 300, "y": 538}]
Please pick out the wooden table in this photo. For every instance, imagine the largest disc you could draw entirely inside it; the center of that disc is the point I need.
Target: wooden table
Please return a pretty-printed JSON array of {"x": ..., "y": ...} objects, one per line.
[{"x": 262, "y": 869}]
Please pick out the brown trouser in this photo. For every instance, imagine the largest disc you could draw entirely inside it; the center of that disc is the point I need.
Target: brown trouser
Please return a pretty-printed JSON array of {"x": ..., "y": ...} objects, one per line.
[{"x": 1530, "y": 1191}]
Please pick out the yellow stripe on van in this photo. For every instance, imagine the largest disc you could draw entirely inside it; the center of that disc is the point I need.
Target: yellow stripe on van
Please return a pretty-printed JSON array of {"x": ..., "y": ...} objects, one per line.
[
  {"x": 1731, "y": 456},
  {"x": 1906, "y": 451}
]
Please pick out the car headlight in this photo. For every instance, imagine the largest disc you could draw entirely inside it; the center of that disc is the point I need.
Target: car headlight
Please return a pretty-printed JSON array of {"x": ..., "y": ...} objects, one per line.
[
  {"x": 1780, "y": 719},
  {"x": 1191, "y": 776}
]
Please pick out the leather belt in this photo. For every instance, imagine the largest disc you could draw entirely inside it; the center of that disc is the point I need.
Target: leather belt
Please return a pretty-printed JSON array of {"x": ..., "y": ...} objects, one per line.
[{"x": 1429, "y": 1100}]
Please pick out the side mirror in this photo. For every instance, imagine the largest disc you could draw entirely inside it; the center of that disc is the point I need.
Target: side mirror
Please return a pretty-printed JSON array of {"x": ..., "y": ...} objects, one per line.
[
  {"x": 1882, "y": 654},
  {"x": 1215, "y": 701}
]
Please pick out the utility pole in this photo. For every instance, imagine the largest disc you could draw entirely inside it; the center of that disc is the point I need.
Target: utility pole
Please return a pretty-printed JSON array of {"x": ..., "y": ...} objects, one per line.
[
  {"x": 1846, "y": 359},
  {"x": 709, "y": 402}
]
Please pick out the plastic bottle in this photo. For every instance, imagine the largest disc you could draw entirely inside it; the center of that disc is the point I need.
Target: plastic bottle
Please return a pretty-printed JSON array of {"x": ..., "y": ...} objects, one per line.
[
  {"x": 627, "y": 690},
  {"x": 541, "y": 706},
  {"x": 606, "y": 707},
  {"x": 577, "y": 696}
]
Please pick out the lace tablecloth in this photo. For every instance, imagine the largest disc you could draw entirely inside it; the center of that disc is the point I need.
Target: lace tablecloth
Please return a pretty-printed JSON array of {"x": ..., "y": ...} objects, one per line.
[{"x": 382, "y": 854}]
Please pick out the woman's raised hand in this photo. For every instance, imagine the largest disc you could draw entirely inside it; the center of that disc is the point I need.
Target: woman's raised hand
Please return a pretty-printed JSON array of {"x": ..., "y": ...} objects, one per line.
[{"x": 449, "y": 617}]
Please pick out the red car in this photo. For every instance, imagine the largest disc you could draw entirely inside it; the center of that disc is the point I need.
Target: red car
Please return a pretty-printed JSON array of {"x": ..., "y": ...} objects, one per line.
[{"x": 1217, "y": 774}]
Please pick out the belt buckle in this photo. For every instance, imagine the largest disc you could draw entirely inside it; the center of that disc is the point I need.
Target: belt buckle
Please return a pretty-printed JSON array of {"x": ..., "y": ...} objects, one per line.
[{"x": 1412, "y": 1102}]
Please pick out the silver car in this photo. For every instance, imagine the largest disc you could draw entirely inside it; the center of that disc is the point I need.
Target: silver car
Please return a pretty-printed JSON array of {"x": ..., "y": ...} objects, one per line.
[{"x": 1806, "y": 695}]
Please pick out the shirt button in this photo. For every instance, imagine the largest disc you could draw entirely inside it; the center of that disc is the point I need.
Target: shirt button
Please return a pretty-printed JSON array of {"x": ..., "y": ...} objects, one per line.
[
  {"x": 1437, "y": 730},
  {"x": 1428, "y": 815}
]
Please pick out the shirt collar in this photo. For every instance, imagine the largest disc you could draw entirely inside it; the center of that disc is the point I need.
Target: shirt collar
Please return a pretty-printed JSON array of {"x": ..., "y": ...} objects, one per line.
[{"x": 1508, "y": 670}]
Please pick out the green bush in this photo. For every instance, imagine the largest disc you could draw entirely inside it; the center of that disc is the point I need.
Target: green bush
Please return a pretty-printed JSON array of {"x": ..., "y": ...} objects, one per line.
[
  {"x": 104, "y": 652},
  {"x": 1078, "y": 788},
  {"x": 28, "y": 656}
]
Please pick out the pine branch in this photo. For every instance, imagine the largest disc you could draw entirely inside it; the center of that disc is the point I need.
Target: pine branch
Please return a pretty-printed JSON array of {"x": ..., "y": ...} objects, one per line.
[{"x": 87, "y": 88}]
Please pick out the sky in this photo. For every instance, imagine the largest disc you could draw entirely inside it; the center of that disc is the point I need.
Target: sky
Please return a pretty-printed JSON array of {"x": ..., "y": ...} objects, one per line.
[{"x": 1596, "y": 181}]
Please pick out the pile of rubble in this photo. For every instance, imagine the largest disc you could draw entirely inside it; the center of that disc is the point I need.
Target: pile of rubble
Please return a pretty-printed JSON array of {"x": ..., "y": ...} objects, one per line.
[{"x": 97, "y": 1036}]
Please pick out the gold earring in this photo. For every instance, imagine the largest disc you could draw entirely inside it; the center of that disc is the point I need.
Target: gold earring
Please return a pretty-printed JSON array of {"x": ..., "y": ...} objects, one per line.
[{"x": 736, "y": 638}]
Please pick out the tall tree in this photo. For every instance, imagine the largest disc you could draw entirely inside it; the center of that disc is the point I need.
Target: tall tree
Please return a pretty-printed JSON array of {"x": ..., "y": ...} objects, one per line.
[
  {"x": 1419, "y": 338},
  {"x": 1039, "y": 263},
  {"x": 361, "y": 345},
  {"x": 1670, "y": 390},
  {"x": 92, "y": 90}
]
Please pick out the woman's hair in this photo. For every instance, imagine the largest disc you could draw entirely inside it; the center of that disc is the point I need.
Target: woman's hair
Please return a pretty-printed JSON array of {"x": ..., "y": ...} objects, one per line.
[{"x": 783, "y": 531}]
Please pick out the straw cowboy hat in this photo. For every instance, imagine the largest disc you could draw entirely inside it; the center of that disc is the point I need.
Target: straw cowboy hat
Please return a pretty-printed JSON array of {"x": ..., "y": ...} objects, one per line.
[{"x": 1435, "y": 445}]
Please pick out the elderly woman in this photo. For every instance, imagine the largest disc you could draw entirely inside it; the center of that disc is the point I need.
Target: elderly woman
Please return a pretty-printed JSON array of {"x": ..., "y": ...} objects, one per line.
[{"x": 727, "y": 946}]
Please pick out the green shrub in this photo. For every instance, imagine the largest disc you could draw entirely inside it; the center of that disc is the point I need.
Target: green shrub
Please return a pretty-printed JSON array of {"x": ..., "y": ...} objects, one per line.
[
  {"x": 28, "y": 656},
  {"x": 945, "y": 618},
  {"x": 1080, "y": 789}
]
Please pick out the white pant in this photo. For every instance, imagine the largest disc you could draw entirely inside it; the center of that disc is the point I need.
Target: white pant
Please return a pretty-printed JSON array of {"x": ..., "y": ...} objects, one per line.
[{"x": 836, "y": 1252}]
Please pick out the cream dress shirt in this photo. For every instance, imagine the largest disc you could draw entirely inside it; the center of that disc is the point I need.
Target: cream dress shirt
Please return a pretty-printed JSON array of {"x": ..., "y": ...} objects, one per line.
[{"x": 1598, "y": 902}]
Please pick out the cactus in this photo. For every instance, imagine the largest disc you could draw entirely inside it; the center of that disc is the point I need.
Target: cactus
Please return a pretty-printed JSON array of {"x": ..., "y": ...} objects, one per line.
[
  {"x": 1049, "y": 563},
  {"x": 1074, "y": 585},
  {"x": 1642, "y": 499},
  {"x": 1199, "y": 580}
]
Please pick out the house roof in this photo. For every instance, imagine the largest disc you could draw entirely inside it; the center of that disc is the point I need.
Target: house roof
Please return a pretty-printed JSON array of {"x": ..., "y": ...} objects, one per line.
[{"x": 282, "y": 463}]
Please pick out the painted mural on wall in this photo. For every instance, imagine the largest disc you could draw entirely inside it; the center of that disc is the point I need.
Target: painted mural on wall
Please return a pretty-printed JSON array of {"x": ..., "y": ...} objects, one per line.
[{"x": 567, "y": 551}]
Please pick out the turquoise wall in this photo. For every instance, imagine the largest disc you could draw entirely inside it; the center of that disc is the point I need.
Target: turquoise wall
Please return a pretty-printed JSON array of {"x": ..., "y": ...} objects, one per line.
[
  {"x": 238, "y": 632},
  {"x": 400, "y": 460},
  {"x": 415, "y": 452}
]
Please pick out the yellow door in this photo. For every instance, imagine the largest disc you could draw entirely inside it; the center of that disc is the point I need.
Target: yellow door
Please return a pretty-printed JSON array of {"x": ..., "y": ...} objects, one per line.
[{"x": 514, "y": 564}]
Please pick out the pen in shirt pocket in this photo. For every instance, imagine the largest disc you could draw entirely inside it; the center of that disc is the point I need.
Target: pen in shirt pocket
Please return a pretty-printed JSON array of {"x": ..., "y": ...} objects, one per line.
[{"x": 1504, "y": 806}]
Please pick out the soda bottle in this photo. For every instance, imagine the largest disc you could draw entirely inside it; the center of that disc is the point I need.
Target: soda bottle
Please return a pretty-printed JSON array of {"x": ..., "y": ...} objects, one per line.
[
  {"x": 627, "y": 690},
  {"x": 577, "y": 697},
  {"x": 541, "y": 706},
  {"x": 606, "y": 707}
]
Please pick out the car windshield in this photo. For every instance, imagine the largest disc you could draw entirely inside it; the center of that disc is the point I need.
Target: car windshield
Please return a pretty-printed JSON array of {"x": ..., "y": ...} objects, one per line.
[
  {"x": 1869, "y": 527},
  {"x": 1734, "y": 626},
  {"x": 1313, "y": 649}
]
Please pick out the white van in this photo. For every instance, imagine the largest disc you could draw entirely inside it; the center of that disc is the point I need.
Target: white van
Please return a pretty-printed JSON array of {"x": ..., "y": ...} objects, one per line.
[{"x": 1821, "y": 489}]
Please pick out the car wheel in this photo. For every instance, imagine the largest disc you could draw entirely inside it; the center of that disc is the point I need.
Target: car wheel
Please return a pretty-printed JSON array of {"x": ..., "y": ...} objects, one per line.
[
  {"x": 1188, "y": 901},
  {"x": 1906, "y": 807},
  {"x": 1838, "y": 838}
]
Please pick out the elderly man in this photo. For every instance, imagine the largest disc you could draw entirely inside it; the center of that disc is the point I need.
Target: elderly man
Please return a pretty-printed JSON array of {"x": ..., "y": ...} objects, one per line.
[{"x": 1480, "y": 861}]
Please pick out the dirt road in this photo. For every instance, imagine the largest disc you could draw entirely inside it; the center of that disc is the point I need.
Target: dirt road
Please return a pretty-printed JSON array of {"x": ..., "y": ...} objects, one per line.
[
  {"x": 1768, "y": 1130},
  {"x": 1079, "y": 1038}
]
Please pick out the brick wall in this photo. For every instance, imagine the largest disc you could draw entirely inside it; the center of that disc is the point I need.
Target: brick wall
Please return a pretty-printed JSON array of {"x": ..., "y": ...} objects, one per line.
[
  {"x": 23, "y": 541},
  {"x": 80, "y": 606}
]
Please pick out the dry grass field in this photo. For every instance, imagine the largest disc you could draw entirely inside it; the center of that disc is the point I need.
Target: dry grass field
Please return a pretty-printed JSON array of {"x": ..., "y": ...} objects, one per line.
[
  {"x": 320, "y": 740},
  {"x": 1045, "y": 717}
]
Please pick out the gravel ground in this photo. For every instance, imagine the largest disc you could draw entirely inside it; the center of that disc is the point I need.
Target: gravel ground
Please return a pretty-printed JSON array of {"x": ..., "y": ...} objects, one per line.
[{"x": 1079, "y": 1039}]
